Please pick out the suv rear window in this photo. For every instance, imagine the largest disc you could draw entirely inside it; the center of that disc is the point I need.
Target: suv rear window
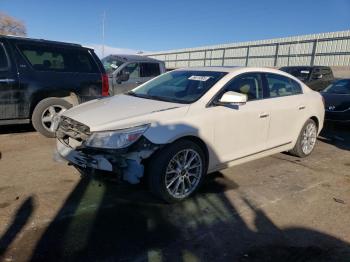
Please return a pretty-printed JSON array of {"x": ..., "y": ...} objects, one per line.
[
  {"x": 58, "y": 59},
  {"x": 150, "y": 69}
]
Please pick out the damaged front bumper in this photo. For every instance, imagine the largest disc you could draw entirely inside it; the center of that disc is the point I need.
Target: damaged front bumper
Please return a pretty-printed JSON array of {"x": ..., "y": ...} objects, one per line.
[
  {"x": 83, "y": 160},
  {"x": 126, "y": 163}
]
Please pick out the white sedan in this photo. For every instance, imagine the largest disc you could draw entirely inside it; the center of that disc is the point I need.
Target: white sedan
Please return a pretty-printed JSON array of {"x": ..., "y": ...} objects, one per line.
[{"x": 178, "y": 127}]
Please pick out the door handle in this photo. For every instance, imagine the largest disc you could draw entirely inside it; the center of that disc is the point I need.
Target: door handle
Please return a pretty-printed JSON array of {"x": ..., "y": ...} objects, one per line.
[
  {"x": 302, "y": 107},
  {"x": 264, "y": 115},
  {"x": 138, "y": 82}
]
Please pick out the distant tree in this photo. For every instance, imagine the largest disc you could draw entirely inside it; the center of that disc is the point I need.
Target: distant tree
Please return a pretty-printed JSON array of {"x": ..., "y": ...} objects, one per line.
[{"x": 11, "y": 26}]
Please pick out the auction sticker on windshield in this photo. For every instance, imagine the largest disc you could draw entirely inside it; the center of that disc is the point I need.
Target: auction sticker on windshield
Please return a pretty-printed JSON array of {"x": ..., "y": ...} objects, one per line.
[{"x": 199, "y": 78}]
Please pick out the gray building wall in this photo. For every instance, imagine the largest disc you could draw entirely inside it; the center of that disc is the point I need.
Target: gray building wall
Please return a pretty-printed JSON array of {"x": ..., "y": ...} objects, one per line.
[{"x": 331, "y": 49}]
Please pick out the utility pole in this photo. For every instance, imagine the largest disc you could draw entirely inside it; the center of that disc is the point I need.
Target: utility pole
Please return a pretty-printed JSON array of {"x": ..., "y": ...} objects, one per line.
[{"x": 103, "y": 33}]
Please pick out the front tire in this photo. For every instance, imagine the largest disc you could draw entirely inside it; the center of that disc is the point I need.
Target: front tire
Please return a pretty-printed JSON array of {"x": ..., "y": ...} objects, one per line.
[
  {"x": 306, "y": 140},
  {"x": 176, "y": 171},
  {"x": 45, "y": 112}
]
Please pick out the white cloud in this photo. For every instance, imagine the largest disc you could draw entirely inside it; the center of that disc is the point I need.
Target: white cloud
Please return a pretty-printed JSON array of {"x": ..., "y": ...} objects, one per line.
[{"x": 108, "y": 50}]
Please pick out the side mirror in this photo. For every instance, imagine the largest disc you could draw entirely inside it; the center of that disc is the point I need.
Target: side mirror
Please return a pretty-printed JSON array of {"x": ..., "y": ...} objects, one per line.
[
  {"x": 123, "y": 77},
  {"x": 231, "y": 97}
]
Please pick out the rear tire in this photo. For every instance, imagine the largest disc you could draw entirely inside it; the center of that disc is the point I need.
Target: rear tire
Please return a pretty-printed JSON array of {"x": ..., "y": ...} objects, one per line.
[
  {"x": 44, "y": 113},
  {"x": 176, "y": 171},
  {"x": 306, "y": 140}
]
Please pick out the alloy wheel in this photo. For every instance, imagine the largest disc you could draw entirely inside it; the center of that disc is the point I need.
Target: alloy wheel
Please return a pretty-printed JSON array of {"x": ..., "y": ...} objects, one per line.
[
  {"x": 309, "y": 138},
  {"x": 183, "y": 173}
]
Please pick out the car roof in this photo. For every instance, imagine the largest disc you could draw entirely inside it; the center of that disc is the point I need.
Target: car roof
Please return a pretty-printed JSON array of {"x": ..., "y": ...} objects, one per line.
[
  {"x": 23, "y": 38},
  {"x": 305, "y": 67},
  {"x": 132, "y": 58},
  {"x": 231, "y": 69}
]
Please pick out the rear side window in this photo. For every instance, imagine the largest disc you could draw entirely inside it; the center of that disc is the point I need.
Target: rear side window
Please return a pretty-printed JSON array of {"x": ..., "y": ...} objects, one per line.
[
  {"x": 150, "y": 69},
  {"x": 83, "y": 62},
  {"x": 58, "y": 59},
  {"x": 279, "y": 86},
  {"x": 44, "y": 58},
  {"x": 4, "y": 65}
]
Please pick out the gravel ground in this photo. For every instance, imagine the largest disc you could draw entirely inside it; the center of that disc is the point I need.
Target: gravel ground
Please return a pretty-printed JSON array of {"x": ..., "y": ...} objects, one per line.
[{"x": 278, "y": 208}]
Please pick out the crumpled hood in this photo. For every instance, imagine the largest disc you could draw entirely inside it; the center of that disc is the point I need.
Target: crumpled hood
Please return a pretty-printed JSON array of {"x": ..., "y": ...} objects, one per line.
[{"x": 123, "y": 111}]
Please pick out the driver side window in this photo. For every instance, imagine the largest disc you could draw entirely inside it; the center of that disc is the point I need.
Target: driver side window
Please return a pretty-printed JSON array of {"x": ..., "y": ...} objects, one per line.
[
  {"x": 133, "y": 70},
  {"x": 249, "y": 84}
]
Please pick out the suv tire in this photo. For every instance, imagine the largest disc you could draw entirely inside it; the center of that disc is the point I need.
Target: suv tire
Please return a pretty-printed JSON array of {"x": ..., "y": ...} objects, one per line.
[
  {"x": 176, "y": 171},
  {"x": 44, "y": 113}
]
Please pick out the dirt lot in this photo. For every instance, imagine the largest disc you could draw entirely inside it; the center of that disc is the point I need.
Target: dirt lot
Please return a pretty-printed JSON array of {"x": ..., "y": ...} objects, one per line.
[{"x": 279, "y": 208}]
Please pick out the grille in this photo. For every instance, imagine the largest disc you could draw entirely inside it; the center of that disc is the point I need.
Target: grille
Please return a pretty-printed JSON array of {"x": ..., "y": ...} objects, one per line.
[{"x": 71, "y": 132}]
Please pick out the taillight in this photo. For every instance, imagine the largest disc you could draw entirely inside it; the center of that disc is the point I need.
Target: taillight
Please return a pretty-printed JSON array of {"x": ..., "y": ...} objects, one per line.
[{"x": 105, "y": 85}]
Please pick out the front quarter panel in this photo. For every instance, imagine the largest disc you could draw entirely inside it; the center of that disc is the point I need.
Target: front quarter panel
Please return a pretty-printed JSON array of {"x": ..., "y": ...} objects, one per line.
[{"x": 166, "y": 133}]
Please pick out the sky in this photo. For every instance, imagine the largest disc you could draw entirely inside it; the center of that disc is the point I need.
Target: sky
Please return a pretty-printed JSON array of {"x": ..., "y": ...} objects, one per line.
[{"x": 156, "y": 25}]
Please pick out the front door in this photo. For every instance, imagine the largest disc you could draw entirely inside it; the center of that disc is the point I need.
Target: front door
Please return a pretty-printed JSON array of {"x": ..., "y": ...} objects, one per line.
[
  {"x": 241, "y": 130},
  {"x": 133, "y": 70}
]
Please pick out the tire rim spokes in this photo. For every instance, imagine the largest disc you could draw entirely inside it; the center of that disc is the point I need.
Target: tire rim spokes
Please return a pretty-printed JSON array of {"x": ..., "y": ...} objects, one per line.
[
  {"x": 309, "y": 138},
  {"x": 183, "y": 173},
  {"x": 49, "y": 114}
]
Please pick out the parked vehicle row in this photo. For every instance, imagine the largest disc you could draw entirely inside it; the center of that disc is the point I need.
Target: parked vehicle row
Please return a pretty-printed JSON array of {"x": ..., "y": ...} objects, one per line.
[
  {"x": 39, "y": 79},
  {"x": 125, "y": 72},
  {"x": 336, "y": 93},
  {"x": 178, "y": 127},
  {"x": 315, "y": 77},
  {"x": 337, "y": 101}
]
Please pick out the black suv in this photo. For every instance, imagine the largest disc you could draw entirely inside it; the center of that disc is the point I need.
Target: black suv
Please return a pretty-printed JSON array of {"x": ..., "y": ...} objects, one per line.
[
  {"x": 315, "y": 77},
  {"x": 39, "y": 79}
]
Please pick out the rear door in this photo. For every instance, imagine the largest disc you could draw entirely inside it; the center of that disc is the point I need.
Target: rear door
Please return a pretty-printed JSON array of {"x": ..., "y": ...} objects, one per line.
[
  {"x": 287, "y": 108},
  {"x": 87, "y": 78},
  {"x": 10, "y": 96}
]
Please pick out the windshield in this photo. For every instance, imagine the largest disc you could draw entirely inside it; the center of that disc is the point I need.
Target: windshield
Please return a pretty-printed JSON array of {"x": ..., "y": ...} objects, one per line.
[
  {"x": 111, "y": 64},
  {"x": 339, "y": 87},
  {"x": 301, "y": 73},
  {"x": 178, "y": 86}
]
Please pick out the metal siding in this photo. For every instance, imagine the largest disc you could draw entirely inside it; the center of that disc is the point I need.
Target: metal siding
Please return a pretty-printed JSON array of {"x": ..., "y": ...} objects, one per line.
[
  {"x": 234, "y": 62},
  {"x": 262, "y": 50},
  {"x": 333, "y": 60},
  {"x": 268, "y": 62},
  {"x": 237, "y": 52},
  {"x": 217, "y": 53},
  {"x": 297, "y": 50},
  {"x": 197, "y": 55},
  {"x": 197, "y": 63}
]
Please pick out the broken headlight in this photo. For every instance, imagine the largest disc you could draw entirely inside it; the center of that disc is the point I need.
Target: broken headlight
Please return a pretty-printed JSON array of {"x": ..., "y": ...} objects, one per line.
[{"x": 116, "y": 139}]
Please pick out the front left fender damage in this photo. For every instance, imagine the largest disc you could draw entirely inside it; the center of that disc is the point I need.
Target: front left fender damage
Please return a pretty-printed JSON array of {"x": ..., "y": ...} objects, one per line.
[{"x": 127, "y": 163}]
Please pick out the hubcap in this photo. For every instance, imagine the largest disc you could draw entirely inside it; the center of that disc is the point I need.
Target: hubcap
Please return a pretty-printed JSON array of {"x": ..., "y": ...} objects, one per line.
[
  {"x": 183, "y": 173},
  {"x": 49, "y": 115},
  {"x": 309, "y": 138}
]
